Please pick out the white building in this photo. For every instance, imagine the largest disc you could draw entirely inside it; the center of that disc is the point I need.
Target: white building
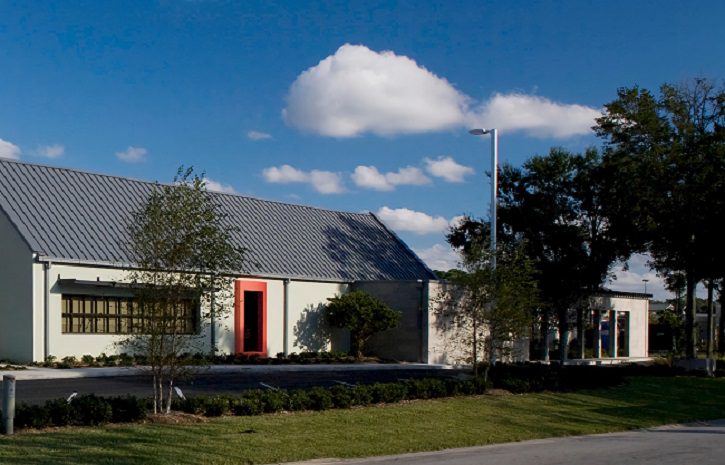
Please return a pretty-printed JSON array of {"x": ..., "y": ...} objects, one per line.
[{"x": 62, "y": 269}]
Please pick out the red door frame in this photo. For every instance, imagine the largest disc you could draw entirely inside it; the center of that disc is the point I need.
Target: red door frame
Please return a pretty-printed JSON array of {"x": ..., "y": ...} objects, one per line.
[{"x": 239, "y": 288}]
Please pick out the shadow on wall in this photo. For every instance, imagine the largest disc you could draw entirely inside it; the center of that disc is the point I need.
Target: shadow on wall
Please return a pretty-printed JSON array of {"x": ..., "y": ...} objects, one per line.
[{"x": 311, "y": 332}]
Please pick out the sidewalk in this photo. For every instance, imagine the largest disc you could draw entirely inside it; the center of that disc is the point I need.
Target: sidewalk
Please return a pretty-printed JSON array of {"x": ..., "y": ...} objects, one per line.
[{"x": 34, "y": 373}]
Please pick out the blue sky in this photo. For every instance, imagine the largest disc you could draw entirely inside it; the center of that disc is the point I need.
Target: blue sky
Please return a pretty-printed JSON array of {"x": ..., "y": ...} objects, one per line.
[{"x": 359, "y": 106}]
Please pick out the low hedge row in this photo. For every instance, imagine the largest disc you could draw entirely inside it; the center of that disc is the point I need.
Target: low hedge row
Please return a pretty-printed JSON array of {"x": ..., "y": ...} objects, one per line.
[
  {"x": 536, "y": 377},
  {"x": 127, "y": 360},
  {"x": 86, "y": 410},
  {"x": 517, "y": 378},
  {"x": 91, "y": 410},
  {"x": 256, "y": 402}
]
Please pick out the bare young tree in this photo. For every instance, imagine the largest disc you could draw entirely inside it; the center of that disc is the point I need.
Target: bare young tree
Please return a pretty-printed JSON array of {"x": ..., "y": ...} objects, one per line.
[{"x": 183, "y": 259}]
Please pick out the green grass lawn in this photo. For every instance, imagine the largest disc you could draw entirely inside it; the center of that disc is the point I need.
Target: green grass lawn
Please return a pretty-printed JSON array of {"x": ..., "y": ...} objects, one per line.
[{"x": 390, "y": 429}]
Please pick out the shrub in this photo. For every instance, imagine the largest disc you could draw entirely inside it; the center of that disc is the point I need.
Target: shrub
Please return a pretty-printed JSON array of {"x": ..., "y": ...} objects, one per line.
[
  {"x": 60, "y": 412},
  {"x": 90, "y": 410},
  {"x": 192, "y": 405},
  {"x": 341, "y": 396},
  {"x": 127, "y": 409},
  {"x": 299, "y": 400},
  {"x": 388, "y": 392},
  {"x": 427, "y": 388},
  {"x": 31, "y": 416},
  {"x": 320, "y": 398},
  {"x": 247, "y": 406},
  {"x": 274, "y": 400},
  {"x": 362, "y": 395},
  {"x": 216, "y": 406}
]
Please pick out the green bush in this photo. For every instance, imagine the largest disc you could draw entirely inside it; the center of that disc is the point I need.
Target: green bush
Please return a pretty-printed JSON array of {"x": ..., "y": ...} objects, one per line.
[
  {"x": 388, "y": 393},
  {"x": 320, "y": 398},
  {"x": 362, "y": 395},
  {"x": 299, "y": 400},
  {"x": 127, "y": 409},
  {"x": 60, "y": 412},
  {"x": 31, "y": 416},
  {"x": 90, "y": 410},
  {"x": 193, "y": 405},
  {"x": 342, "y": 396},
  {"x": 427, "y": 388},
  {"x": 274, "y": 400},
  {"x": 216, "y": 406},
  {"x": 247, "y": 406}
]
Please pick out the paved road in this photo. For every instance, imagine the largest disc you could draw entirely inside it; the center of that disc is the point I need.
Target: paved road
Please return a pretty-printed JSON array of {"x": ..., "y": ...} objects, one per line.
[
  {"x": 692, "y": 444},
  {"x": 222, "y": 382}
]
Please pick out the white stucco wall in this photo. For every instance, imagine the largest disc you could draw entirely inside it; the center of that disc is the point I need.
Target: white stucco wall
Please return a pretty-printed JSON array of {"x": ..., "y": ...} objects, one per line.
[
  {"x": 16, "y": 295},
  {"x": 305, "y": 300},
  {"x": 303, "y": 297},
  {"x": 638, "y": 310},
  {"x": 638, "y": 323},
  {"x": 444, "y": 343}
]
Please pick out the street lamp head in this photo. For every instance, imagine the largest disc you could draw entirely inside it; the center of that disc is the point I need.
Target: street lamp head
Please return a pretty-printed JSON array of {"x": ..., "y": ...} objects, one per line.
[{"x": 479, "y": 132}]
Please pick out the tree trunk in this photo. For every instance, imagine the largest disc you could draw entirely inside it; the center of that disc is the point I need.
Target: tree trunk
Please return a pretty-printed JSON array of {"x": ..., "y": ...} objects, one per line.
[
  {"x": 710, "y": 328},
  {"x": 580, "y": 331},
  {"x": 170, "y": 396},
  {"x": 721, "y": 329},
  {"x": 690, "y": 312},
  {"x": 563, "y": 336},
  {"x": 474, "y": 349},
  {"x": 544, "y": 348},
  {"x": 156, "y": 396}
]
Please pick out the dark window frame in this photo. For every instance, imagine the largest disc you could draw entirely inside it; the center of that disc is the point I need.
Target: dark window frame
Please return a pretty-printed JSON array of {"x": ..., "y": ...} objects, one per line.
[{"x": 80, "y": 314}]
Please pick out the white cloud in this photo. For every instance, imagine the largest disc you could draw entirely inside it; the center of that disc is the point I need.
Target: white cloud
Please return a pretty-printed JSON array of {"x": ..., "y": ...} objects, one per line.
[
  {"x": 132, "y": 154},
  {"x": 537, "y": 116},
  {"x": 9, "y": 150},
  {"x": 324, "y": 182},
  {"x": 370, "y": 178},
  {"x": 216, "y": 186},
  {"x": 406, "y": 220},
  {"x": 631, "y": 280},
  {"x": 357, "y": 90},
  {"x": 284, "y": 174},
  {"x": 439, "y": 257},
  {"x": 51, "y": 151},
  {"x": 448, "y": 169},
  {"x": 258, "y": 135}
]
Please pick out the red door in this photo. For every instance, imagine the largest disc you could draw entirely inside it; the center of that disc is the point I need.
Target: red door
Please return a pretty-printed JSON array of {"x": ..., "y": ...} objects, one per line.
[{"x": 250, "y": 318}]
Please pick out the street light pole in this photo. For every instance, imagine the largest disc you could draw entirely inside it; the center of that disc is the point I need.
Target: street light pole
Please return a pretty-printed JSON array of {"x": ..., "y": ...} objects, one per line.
[{"x": 494, "y": 185}]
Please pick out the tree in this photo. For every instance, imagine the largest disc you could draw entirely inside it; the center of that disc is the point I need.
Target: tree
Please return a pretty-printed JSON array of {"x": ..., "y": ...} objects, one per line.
[
  {"x": 361, "y": 313},
  {"x": 182, "y": 254},
  {"x": 555, "y": 204},
  {"x": 487, "y": 309},
  {"x": 664, "y": 166}
]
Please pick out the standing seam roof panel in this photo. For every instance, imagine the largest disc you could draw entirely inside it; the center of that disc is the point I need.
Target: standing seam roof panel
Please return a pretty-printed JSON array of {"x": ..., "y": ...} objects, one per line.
[{"x": 77, "y": 216}]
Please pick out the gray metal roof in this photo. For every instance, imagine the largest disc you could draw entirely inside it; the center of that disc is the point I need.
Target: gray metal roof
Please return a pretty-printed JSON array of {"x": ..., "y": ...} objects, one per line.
[{"x": 68, "y": 215}]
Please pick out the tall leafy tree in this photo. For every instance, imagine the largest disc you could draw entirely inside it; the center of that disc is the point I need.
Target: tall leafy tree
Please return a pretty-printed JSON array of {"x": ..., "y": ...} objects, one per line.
[
  {"x": 183, "y": 256},
  {"x": 555, "y": 203},
  {"x": 664, "y": 166}
]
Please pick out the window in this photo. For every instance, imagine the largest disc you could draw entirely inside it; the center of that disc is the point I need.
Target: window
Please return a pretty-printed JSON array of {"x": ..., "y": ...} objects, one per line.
[{"x": 89, "y": 314}]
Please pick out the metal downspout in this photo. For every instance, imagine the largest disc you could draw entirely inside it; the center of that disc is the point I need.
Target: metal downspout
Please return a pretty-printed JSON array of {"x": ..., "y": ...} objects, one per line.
[
  {"x": 285, "y": 317},
  {"x": 46, "y": 310}
]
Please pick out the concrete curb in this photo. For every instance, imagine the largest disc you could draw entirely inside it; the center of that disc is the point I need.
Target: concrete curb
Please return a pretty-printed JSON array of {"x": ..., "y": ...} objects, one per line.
[{"x": 37, "y": 373}]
